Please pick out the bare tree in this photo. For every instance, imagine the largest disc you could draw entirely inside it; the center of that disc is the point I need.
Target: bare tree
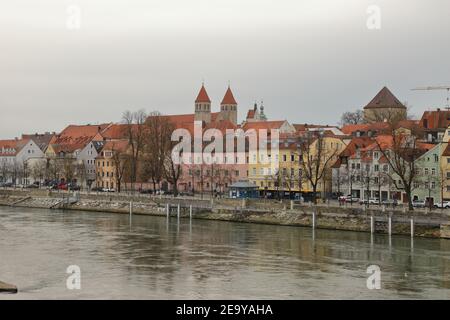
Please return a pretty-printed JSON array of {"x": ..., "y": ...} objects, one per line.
[
  {"x": 121, "y": 161},
  {"x": 352, "y": 117},
  {"x": 135, "y": 133},
  {"x": 316, "y": 160},
  {"x": 157, "y": 138},
  {"x": 38, "y": 171},
  {"x": 402, "y": 152}
]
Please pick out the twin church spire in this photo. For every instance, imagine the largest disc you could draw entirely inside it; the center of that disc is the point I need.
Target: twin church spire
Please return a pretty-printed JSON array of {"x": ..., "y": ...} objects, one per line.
[{"x": 228, "y": 107}]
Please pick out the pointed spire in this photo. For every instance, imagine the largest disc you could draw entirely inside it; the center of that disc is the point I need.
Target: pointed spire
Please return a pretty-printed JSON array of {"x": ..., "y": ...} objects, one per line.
[
  {"x": 203, "y": 95},
  {"x": 228, "y": 98}
]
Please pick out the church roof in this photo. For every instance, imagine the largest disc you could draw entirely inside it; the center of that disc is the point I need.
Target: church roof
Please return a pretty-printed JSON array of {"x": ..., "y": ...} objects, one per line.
[
  {"x": 228, "y": 98},
  {"x": 203, "y": 95}
]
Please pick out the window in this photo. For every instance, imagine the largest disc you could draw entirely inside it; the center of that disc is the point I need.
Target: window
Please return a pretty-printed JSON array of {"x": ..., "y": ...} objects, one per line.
[
  {"x": 353, "y": 166},
  {"x": 376, "y": 155},
  {"x": 426, "y": 171},
  {"x": 358, "y": 166},
  {"x": 284, "y": 158},
  {"x": 385, "y": 168},
  {"x": 292, "y": 158},
  {"x": 433, "y": 185},
  {"x": 433, "y": 171},
  {"x": 448, "y": 160},
  {"x": 236, "y": 173},
  {"x": 448, "y": 175},
  {"x": 416, "y": 185},
  {"x": 376, "y": 168}
]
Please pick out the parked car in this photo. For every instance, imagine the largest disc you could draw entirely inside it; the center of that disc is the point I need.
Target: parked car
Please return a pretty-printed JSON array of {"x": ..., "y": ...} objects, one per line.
[
  {"x": 62, "y": 186},
  {"x": 97, "y": 189},
  {"x": 6, "y": 185},
  {"x": 32, "y": 186},
  {"x": 444, "y": 204},
  {"x": 419, "y": 203},
  {"x": 73, "y": 187},
  {"x": 389, "y": 202},
  {"x": 370, "y": 201},
  {"x": 351, "y": 199}
]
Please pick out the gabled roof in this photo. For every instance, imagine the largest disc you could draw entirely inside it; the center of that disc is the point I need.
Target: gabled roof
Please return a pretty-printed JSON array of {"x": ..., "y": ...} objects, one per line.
[
  {"x": 437, "y": 119},
  {"x": 202, "y": 95},
  {"x": 228, "y": 98},
  {"x": 41, "y": 140},
  {"x": 117, "y": 131},
  {"x": 365, "y": 127},
  {"x": 385, "y": 99},
  {"x": 10, "y": 148},
  {"x": 75, "y": 137},
  {"x": 116, "y": 145}
]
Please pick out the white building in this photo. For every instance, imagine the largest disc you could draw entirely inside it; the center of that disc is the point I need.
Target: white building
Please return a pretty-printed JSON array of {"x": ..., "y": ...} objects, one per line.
[{"x": 21, "y": 160}]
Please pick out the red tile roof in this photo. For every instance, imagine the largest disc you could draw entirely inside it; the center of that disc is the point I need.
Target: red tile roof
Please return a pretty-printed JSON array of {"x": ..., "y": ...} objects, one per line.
[
  {"x": 116, "y": 145},
  {"x": 203, "y": 95},
  {"x": 250, "y": 114},
  {"x": 10, "y": 148},
  {"x": 438, "y": 119},
  {"x": 263, "y": 125},
  {"x": 228, "y": 98},
  {"x": 75, "y": 137}
]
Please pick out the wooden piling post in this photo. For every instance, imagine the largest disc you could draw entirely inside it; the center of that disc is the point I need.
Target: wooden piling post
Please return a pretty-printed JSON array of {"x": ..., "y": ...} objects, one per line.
[
  {"x": 314, "y": 220},
  {"x": 372, "y": 225},
  {"x": 390, "y": 225},
  {"x": 131, "y": 210}
]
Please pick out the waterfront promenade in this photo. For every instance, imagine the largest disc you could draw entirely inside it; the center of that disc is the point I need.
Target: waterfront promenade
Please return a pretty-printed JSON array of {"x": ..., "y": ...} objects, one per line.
[{"x": 375, "y": 219}]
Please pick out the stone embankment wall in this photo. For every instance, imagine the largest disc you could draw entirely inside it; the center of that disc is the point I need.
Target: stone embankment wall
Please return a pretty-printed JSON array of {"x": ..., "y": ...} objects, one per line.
[{"x": 355, "y": 218}]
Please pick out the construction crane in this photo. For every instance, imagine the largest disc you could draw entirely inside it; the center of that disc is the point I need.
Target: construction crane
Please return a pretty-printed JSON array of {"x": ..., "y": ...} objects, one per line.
[{"x": 438, "y": 88}]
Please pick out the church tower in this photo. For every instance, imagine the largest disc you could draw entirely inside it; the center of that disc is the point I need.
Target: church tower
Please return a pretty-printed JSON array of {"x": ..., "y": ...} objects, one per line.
[
  {"x": 203, "y": 106},
  {"x": 228, "y": 107}
]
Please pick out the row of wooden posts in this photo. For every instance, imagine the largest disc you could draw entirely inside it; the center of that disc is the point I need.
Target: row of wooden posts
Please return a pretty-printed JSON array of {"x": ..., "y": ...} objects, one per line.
[{"x": 313, "y": 224}]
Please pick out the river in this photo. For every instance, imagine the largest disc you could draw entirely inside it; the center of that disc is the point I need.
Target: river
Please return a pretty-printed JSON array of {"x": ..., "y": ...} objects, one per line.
[{"x": 153, "y": 258}]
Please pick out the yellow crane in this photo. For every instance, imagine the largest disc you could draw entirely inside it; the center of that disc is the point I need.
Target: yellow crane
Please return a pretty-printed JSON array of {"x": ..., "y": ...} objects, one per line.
[{"x": 438, "y": 88}]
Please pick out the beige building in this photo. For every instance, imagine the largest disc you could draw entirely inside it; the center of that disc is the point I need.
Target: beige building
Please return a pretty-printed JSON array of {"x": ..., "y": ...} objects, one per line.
[{"x": 384, "y": 107}]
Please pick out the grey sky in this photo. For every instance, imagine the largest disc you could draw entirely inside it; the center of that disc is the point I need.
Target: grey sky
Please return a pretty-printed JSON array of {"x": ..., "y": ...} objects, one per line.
[{"x": 308, "y": 60}]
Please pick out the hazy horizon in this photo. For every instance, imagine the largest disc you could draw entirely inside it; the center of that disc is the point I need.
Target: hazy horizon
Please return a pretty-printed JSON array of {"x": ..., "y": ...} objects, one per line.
[{"x": 309, "y": 61}]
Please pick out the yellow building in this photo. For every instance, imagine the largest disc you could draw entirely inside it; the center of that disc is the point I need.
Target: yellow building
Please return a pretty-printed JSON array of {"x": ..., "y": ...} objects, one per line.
[
  {"x": 111, "y": 165},
  {"x": 276, "y": 173},
  {"x": 322, "y": 153}
]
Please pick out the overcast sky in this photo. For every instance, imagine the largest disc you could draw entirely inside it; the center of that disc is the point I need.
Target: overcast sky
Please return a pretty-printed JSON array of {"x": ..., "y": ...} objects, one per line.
[{"x": 308, "y": 60}]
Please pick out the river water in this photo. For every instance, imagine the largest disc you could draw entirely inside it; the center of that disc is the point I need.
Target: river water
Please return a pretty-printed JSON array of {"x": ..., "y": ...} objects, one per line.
[{"x": 158, "y": 259}]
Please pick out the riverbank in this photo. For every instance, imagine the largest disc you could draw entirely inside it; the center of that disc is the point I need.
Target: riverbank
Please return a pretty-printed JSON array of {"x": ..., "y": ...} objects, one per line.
[{"x": 434, "y": 224}]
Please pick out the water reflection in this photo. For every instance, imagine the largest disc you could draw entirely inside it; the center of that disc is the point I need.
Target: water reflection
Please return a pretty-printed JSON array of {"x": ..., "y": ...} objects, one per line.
[{"x": 157, "y": 257}]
